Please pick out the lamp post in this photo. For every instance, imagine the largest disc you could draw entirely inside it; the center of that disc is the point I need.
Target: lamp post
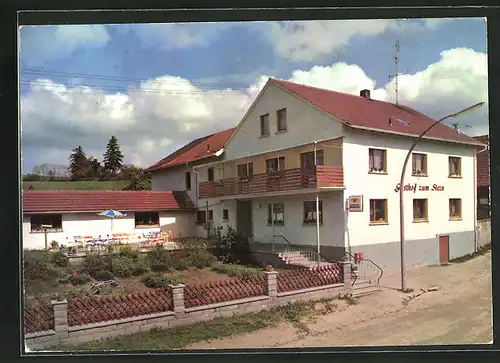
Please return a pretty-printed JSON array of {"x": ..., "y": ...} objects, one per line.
[{"x": 401, "y": 187}]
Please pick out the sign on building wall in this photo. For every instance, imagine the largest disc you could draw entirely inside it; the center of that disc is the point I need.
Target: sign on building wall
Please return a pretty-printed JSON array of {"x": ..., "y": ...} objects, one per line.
[
  {"x": 422, "y": 188},
  {"x": 355, "y": 203}
]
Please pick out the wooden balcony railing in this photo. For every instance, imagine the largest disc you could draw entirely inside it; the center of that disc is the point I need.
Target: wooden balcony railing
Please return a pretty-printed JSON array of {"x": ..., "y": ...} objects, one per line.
[{"x": 291, "y": 179}]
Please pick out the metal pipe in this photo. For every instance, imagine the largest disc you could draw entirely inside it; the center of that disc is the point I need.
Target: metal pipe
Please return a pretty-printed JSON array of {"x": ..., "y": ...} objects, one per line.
[
  {"x": 401, "y": 188},
  {"x": 272, "y": 222},
  {"x": 317, "y": 204}
]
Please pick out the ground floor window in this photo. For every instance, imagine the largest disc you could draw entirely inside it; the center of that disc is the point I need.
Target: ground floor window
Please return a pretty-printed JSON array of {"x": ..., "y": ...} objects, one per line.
[
  {"x": 455, "y": 208},
  {"x": 378, "y": 211},
  {"x": 210, "y": 215},
  {"x": 276, "y": 213},
  {"x": 225, "y": 214},
  {"x": 201, "y": 217},
  {"x": 420, "y": 210},
  {"x": 147, "y": 219},
  {"x": 40, "y": 222},
  {"x": 310, "y": 212}
]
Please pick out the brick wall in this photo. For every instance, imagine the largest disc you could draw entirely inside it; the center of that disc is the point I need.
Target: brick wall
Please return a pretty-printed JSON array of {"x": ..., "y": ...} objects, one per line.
[{"x": 330, "y": 281}]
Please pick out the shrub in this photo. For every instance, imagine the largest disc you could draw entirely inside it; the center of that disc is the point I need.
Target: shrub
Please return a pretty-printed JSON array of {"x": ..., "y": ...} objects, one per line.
[
  {"x": 38, "y": 266},
  {"x": 183, "y": 264},
  {"x": 130, "y": 252},
  {"x": 160, "y": 267},
  {"x": 103, "y": 275},
  {"x": 58, "y": 258},
  {"x": 95, "y": 263},
  {"x": 140, "y": 267},
  {"x": 79, "y": 279},
  {"x": 122, "y": 266},
  {"x": 159, "y": 255},
  {"x": 200, "y": 258},
  {"x": 157, "y": 281},
  {"x": 235, "y": 270}
]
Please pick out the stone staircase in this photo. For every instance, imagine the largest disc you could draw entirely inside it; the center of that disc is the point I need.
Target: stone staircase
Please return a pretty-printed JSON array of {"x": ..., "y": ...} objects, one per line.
[{"x": 364, "y": 287}]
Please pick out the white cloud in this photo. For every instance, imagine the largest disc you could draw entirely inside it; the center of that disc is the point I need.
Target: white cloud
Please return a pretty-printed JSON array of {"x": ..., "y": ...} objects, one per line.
[
  {"x": 308, "y": 40},
  {"x": 153, "y": 121},
  {"x": 40, "y": 44}
]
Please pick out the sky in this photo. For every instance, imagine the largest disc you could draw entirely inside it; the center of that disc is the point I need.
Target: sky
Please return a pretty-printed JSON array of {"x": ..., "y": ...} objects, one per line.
[{"x": 158, "y": 86}]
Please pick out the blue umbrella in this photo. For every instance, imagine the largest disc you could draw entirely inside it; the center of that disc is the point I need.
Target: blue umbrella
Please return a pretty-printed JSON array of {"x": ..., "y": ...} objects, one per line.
[{"x": 112, "y": 214}]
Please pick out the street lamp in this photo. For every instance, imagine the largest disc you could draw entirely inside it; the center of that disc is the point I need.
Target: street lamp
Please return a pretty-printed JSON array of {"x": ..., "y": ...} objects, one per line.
[{"x": 401, "y": 187}]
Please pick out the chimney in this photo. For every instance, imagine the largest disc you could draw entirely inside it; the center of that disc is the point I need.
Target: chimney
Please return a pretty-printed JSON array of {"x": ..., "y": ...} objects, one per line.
[{"x": 365, "y": 93}]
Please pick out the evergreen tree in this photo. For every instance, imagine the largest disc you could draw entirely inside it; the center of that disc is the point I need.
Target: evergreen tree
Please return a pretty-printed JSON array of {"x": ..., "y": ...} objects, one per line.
[
  {"x": 113, "y": 157},
  {"x": 94, "y": 168},
  {"x": 78, "y": 164}
]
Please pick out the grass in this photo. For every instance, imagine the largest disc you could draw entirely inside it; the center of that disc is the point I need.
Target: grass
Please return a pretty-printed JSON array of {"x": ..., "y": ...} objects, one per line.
[
  {"x": 176, "y": 338},
  {"x": 76, "y": 185},
  {"x": 481, "y": 251}
]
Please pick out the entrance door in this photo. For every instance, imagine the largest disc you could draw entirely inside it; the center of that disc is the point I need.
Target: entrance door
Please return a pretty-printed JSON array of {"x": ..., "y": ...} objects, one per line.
[
  {"x": 444, "y": 249},
  {"x": 307, "y": 166},
  {"x": 244, "y": 218}
]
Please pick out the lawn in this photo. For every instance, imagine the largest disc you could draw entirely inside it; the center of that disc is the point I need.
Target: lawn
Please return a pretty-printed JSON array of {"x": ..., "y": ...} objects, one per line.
[{"x": 76, "y": 185}]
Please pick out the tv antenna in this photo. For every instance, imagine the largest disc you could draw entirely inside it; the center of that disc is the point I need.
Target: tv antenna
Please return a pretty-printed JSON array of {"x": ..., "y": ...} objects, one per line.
[
  {"x": 456, "y": 126},
  {"x": 396, "y": 75}
]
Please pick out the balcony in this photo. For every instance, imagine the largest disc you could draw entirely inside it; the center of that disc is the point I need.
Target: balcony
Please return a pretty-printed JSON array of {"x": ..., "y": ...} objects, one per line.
[{"x": 292, "y": 179}]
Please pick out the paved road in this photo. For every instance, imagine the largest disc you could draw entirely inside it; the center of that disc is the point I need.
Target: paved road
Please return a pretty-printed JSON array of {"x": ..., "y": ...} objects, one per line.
[{"x": 460, "y": 312}]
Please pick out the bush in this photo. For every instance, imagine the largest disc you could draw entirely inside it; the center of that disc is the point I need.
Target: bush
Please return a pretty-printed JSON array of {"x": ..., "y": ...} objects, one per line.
[
  {"x": 229, "y": 247},
  {"x": 38, "y": 266},
  {"x": 140, "y": 267},
  {"x": 157, "y": 281},
  {"x": 160, "y": 267},
  {"x": 95, "y": 264},
  {"x": 79, "y": 279},
  {"x": 183, "y": 264},
  {"x": 130, "y": 252},
  {"x": 122, "y": 266},
  {"x": 58, "y": 258},
  {"x": 159, "y": 255},
  {"x": 235, "y": 270},
  {"x": 103, "y": 275},
  {"x": 200, "y": 258}
]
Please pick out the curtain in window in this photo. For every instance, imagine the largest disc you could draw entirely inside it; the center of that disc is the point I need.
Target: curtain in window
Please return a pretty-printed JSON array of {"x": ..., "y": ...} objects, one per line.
[
  {"x": 377, "y": 160},
  {"x": 418, "y": 163}
]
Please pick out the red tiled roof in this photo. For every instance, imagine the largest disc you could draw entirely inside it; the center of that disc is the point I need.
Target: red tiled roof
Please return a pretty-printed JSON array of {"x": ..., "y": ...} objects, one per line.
[
  {"x": 360, "y": 112},
  {"x": 199, "y": 149},
  {"x": 100, "y": 200},
  {"x": 483, "y": 163}
]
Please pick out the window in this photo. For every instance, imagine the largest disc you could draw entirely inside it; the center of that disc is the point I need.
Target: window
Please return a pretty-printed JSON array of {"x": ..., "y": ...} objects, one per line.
[
  {"x": 307, "y": 159},
  {"x": 276, "y": 212},
  {"x": 419, "y": 164},
  {"x": 147, "y": 219},
  {"x": 310, "y": 212},
  {"x": 420, "y": 210},
  {"x": 210, "y": 215},
  {"x": 378, "y": 211},
  {"x": 39, "y": 220},
  {"x": 188, "y": 180},
  {"x": 378, "y": 160},
  {"x": 455, "y": 208},
  {"x": 281, "y": 117},
  {"x": 275, "y": 164},
  {"x": 211, "y": 174},
  {"x": 201, "y": 217},
  {"x": 264, "y": 125},
  {"x": 225, "y": 214},
  {"x": 245, "y": 171},
  {"x": 454, "y": 167}
]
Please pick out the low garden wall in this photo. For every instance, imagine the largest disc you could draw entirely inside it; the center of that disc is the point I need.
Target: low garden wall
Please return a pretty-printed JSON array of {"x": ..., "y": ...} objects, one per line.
[
  {"x": 82, "y": 320},
  {"x": 483, "y": 232}
]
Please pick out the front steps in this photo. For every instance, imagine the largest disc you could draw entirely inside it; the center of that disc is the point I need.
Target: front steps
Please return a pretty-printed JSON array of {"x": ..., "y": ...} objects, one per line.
[
  {"x": 298, "y": 259},
  {"x": 364, "y": 288}
]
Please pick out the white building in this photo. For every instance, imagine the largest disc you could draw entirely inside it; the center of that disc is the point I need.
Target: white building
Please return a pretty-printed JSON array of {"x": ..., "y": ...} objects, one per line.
[
  {"x": 263, "y": 178},
  {"x": 74, "y": 213}
]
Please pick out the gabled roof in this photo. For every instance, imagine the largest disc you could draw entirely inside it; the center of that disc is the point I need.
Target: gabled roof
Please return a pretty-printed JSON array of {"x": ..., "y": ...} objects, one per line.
[
  {"x": 46, "y": 201},
  {"x": 483, "y": 163},
  {"x": 201, "y": 148},
  {"x": 359, "y": 112}
]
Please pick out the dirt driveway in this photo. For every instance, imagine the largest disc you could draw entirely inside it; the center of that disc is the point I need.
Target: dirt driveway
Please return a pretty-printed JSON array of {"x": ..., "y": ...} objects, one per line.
[{"x": 459, "y": 312}]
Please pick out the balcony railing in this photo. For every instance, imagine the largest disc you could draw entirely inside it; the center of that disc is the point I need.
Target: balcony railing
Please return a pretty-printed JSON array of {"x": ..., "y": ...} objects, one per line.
[{"x": 320, "y": 176}]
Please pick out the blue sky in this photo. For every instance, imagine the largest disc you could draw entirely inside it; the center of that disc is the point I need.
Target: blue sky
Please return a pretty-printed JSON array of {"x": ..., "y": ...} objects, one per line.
[{"x": 202, "y": 58}]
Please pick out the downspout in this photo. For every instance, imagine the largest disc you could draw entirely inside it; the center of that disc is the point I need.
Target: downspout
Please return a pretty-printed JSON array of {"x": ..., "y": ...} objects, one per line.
[
  {"x": 476, "y": 227},
  {"x": 196, "y": 173},
  {"x": 317, "y": 204}
]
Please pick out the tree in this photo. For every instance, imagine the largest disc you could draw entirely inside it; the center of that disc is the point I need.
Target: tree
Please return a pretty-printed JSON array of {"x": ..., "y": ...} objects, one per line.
[
  {"x": 113, "y": 157},
  {"x": 139, "y": 178},
  {"x": 78, "y": 164},
  {"x": 94, "y": 168}
]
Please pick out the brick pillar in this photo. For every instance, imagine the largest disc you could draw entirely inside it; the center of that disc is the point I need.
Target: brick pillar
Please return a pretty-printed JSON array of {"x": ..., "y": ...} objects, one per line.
[
  {"x": 178, "y": 298},
  {"x": 60, "y": 318},
  {"x": 346, "y": 265},
  {"x": 272, "y": 284}
]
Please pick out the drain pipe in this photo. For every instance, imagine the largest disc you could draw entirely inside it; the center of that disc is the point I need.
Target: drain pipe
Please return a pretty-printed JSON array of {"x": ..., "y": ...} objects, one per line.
[
  {"x": 476, "y": 227},
  {"x": 317, "y": 202},
  {"x": 196, "y": 173}
]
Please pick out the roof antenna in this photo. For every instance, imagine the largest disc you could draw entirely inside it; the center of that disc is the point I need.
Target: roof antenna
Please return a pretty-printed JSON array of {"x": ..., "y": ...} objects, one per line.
[{"x": 396, "y": 75}]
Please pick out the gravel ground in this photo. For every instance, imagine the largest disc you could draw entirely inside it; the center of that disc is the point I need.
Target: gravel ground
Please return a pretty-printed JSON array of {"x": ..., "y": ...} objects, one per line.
[{"x": 459, "y": 312}]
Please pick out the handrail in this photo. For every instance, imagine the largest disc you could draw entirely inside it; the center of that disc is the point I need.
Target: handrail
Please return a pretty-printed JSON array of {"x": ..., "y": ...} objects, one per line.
[
  {"x": 373, "y": 263},
  {"x": 304, "y": 248}
]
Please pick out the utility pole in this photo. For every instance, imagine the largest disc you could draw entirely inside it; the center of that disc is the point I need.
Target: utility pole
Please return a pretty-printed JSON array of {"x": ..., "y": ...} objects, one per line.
[{"x": 396, "y": 61}]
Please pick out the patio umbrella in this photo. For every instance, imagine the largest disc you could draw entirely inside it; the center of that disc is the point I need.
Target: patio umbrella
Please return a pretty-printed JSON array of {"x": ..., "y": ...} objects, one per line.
[{"x": 112, "y": 214}]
